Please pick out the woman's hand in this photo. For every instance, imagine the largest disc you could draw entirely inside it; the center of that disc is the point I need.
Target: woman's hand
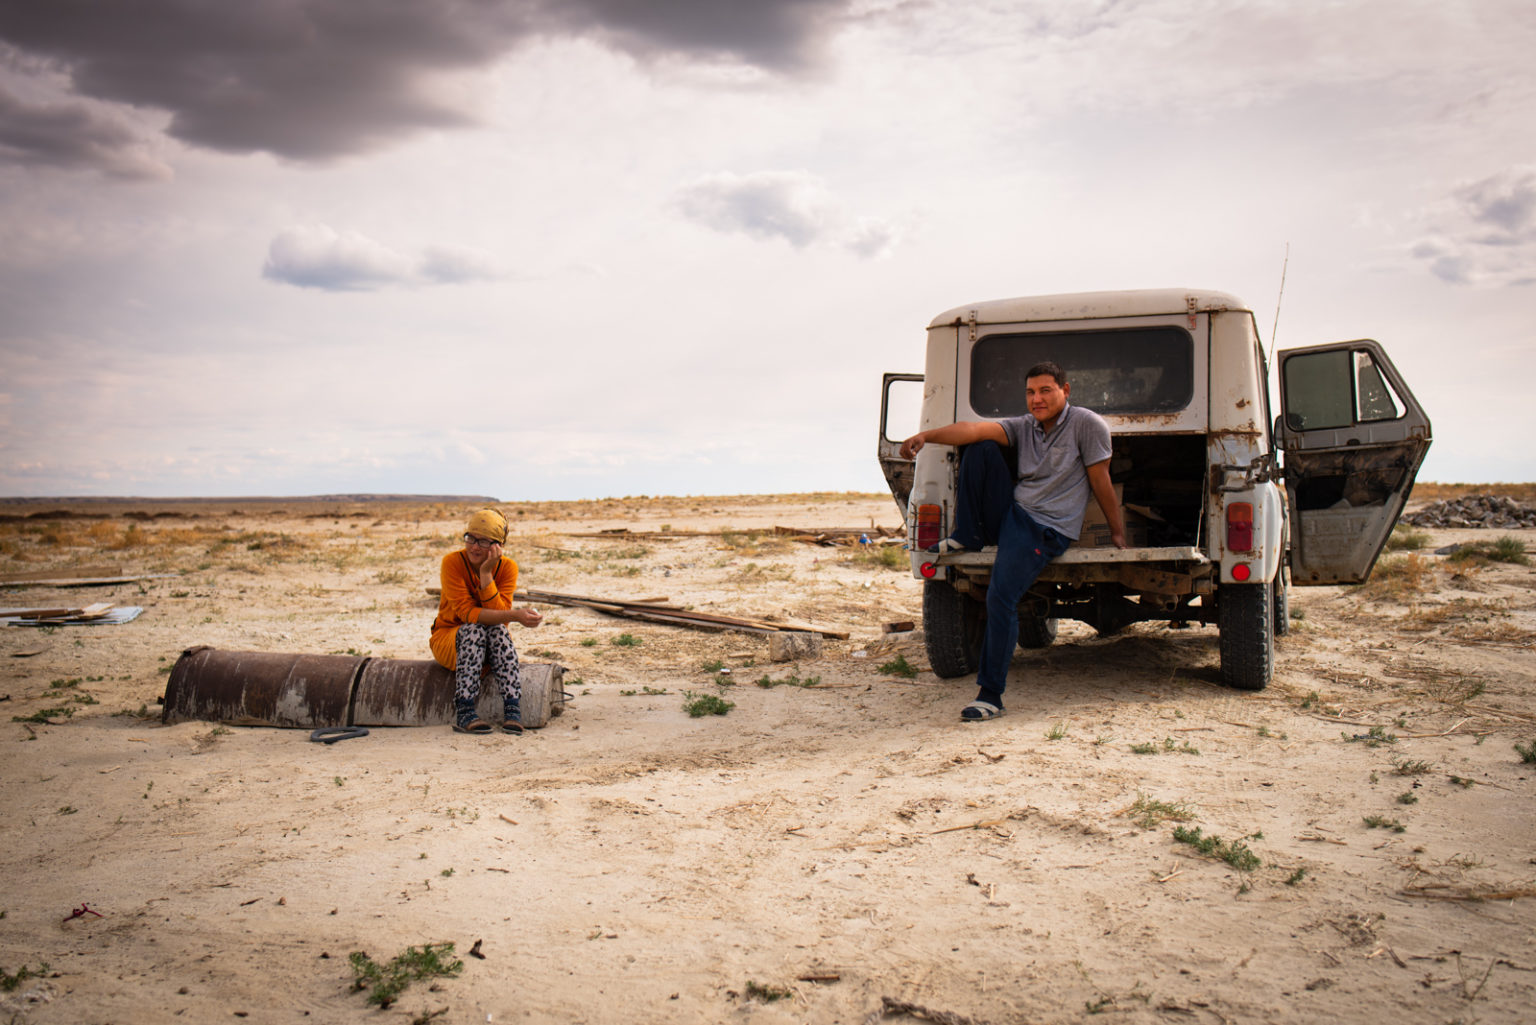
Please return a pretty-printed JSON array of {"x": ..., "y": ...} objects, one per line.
[
  {"x": 528, "y": 617},
  {"x": 488, "y": 567}
]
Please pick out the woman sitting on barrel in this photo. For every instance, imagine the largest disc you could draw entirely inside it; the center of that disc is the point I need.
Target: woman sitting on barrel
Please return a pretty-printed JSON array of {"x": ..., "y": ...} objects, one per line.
[{"x": 469, "y": 635}]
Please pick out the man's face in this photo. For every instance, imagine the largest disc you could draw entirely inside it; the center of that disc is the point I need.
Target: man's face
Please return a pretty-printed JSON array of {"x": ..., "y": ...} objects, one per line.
[{"x": 1046, "y": 398}]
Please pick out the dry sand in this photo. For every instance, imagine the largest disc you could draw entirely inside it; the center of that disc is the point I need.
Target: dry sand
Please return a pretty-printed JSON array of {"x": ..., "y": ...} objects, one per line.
[{"x": 844, "y": 847}]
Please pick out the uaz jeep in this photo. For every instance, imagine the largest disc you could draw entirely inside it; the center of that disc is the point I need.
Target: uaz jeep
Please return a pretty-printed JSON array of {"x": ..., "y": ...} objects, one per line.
[{"x": 1218, "y": 527}]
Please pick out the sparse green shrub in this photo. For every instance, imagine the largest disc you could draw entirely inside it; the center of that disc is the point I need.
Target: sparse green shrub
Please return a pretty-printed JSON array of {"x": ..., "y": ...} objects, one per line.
[
  {"x": 1376, "y": 736},
  {"x": 767, "y": 994},
  {"x": 386, "y": 982},
  {"x": 1406, "y": 539},
  {"x": 1236, "y": 853},
  {"x": 899, "y": 666},
  {"x": 1148, "y": 812},
  {"x": 792, "y": 680},
  {"x": 1503, "y": 549},
  {"x": 9, "y": 983},
  {"x": 699, "y": 705}
]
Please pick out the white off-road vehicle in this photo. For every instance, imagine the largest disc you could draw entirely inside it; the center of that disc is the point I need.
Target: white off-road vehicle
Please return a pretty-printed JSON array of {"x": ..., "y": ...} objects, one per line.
[{"x": 1218, "y": 527}]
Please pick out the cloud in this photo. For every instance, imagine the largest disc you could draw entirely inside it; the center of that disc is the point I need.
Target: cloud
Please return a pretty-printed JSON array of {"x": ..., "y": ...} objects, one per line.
[
  {"x": 1484, "y": 234},
  {"x": 781, "y": 35},
  {"x": 795, "y": 206},
  {"x": 77, "y": 135},
  {"x": 313, "y": 80},
  {"x": 320, "y": 257}
]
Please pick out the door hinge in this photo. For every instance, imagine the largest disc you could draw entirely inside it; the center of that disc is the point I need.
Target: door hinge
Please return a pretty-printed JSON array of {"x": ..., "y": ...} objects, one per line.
[
  {"x": 973, "y": 325},
  {"x": 1192, "y": 306}
]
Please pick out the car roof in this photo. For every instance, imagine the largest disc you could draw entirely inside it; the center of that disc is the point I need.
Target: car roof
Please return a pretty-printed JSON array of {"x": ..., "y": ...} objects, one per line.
[{"x": 1091, "y": 306}]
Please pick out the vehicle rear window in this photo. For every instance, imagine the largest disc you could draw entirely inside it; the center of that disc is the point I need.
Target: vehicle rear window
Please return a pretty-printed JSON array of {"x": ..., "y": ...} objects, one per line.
[{"x": 1133, "y": 370}]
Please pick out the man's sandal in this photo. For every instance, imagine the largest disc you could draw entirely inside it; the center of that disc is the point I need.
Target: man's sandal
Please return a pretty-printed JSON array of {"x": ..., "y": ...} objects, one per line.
[
  {"x": 947, "y": 546},
  {"x": 980, "y": 711},
  {"x": 477, "y": 726}
]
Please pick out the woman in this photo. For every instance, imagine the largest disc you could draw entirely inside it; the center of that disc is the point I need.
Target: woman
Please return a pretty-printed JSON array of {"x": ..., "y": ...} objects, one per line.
[{"x": 470, "y": 635}]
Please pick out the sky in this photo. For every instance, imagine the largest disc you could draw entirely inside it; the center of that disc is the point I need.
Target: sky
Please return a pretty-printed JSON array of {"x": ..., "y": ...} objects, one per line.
[{"x": 553, "y": 249}]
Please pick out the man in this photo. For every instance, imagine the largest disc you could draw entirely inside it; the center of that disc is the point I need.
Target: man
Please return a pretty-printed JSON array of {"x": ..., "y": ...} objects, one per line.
[{"x": 1031, "y": 512}]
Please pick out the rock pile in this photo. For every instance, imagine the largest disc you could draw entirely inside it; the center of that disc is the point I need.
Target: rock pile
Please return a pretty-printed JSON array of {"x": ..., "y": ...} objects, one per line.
[{"x": 1474, "y": 511}]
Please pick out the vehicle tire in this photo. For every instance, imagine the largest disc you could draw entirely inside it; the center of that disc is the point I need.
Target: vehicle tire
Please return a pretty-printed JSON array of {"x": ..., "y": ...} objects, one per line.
[
  {"x": 952, "y": 628},
  {"x": 1036, "y": 631},
  {"x": 1282, "y": 602},
  {"x": 1245, "y": 620}
]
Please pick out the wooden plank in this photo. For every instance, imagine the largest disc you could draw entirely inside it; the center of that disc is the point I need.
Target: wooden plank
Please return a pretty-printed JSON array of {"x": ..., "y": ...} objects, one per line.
[
  {"x": 82, "y": 581},
  {"x": 674, "y": 614}
]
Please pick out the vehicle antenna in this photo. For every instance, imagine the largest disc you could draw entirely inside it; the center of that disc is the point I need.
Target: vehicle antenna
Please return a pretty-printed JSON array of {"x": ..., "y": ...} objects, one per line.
[{"x": 1273, "y": 331}]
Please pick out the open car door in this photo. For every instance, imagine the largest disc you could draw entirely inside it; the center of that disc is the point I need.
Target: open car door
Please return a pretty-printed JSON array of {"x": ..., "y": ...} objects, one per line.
[
  {"x": 1354, "y": 437},
  {"x": 900, "y": 404}
]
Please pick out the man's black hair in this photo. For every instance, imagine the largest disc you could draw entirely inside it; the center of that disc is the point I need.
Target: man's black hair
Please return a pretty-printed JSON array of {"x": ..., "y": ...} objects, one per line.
[{"x": 1048, "y": 369}]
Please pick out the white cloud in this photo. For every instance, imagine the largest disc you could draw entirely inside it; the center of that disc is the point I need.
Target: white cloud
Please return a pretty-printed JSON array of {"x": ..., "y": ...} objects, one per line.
[
  {"x": 1484, "y": 233},
  {"x": 795, "y": 206},
  {"x": 318, "y": 256}
]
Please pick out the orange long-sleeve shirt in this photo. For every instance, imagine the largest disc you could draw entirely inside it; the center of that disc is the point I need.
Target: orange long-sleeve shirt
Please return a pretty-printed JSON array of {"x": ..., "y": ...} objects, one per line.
[{"x": 457, "y": 605}]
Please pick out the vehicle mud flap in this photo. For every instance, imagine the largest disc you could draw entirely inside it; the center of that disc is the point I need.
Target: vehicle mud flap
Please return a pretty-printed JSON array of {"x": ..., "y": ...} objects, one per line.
[
  {"x": 953, "y": 625},
  {"x": 1245, "y": 620},
  {"x": 1283, "y": 601}
]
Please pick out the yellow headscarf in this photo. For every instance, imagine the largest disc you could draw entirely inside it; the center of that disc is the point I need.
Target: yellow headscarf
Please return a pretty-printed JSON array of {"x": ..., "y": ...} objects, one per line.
[{"x": 489, "y": 524}]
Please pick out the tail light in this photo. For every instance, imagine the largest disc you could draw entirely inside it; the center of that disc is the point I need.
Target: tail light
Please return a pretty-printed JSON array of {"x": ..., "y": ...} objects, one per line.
[
  {"x": 930, "y": 526},
  {"x": 1240, "y": 527}
]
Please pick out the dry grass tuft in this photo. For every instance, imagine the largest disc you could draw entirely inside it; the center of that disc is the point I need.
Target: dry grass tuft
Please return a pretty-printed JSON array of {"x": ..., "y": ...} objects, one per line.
[{"x": 1399, "y": 578}]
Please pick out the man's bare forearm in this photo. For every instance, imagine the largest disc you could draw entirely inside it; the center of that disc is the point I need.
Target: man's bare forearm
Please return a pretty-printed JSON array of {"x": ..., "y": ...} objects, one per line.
[{"x": 966, "y": 432}]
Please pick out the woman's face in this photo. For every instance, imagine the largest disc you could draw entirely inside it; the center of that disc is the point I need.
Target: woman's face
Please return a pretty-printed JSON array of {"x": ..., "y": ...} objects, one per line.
[{"x": 478, "y": 549}]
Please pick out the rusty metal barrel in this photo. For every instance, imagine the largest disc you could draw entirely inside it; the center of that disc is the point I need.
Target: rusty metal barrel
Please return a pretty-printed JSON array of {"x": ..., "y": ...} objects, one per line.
[
  {"x": 419, "y": 692},
  {"x": 258, "y": 688},
  {"x": 253, "y": 688}
]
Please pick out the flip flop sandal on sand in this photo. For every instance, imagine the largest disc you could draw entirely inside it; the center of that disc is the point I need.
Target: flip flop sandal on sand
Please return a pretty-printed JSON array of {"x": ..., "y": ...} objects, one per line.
[
  {"x": 979, "y": 711},
  {"x": 479, "y": 726},
  {"x": 512, "y": 726}
]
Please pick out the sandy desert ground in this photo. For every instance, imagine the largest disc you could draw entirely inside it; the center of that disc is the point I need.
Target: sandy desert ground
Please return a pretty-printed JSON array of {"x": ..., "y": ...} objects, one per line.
[{"x": 839, "y": 847}]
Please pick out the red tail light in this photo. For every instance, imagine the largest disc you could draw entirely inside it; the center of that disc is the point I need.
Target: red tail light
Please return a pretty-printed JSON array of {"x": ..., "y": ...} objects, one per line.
[
  {"x": 1240, "y": 527},
  {"x": 930, "y": 526}
]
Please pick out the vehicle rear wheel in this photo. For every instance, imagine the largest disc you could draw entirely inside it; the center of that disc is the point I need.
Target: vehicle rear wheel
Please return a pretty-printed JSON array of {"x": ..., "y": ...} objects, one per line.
[
  {"x": 952, "y": 629},
  {"x": 1036, "y": 631},
  {"x": 1245, "y": 620}
]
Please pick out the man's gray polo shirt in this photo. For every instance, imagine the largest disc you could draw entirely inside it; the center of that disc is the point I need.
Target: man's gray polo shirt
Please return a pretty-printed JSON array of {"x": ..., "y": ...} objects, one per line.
[{"x": 1053, "y": 468}]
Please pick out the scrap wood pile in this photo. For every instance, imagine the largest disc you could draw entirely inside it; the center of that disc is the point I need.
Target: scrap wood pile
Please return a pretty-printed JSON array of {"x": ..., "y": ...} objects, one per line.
[
  {"x": 844, "y": 535},
  {"x": 1474, "y": 511},
  {"x": 98, "y": 613},
  {"x": 657, "y": 611}
]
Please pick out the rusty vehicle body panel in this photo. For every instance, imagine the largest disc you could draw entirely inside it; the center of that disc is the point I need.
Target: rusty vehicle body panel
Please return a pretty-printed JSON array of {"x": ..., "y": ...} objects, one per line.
[{"x": 1218, "y": 526}]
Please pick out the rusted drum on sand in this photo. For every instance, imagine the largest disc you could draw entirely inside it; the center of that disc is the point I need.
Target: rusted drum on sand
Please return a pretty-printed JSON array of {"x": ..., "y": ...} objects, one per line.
[
  {"x": 419, "y": 692},
  {"x": 258, "y": 688}
]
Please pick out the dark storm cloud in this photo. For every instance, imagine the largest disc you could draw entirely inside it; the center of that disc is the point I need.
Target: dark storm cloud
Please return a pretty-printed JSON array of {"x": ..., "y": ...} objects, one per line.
[
  {"x": 73, "y": 134},
  {"x": 319, "y": 79}
]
